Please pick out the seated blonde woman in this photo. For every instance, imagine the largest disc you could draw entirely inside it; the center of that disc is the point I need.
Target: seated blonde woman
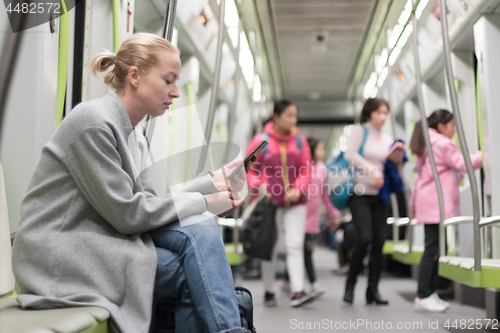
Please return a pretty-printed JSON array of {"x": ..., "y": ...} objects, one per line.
[{"x": 92, "y": 230}]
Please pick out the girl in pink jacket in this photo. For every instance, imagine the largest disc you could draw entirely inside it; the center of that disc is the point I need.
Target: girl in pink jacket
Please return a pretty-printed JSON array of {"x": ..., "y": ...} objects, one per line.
[
  {"x": 424, "y": 204},
  {"x": 317, "y": 193}
]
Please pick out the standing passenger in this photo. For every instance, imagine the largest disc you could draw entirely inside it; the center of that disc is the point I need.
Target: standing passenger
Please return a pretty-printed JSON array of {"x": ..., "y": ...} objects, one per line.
[
  {"x": 317, "y": 193},
  {"x": 368, "y": 211},
  {"x": 424, "y": 204},
  {"x": 282, "y": 171}
]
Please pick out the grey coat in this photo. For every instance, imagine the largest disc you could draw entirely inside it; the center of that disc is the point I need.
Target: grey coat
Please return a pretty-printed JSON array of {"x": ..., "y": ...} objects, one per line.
[{"x": 82, "y": 238}]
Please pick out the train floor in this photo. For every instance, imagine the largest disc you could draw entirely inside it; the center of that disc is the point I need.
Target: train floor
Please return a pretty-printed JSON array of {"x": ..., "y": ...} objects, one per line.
[{"x": 330, "y": 313}]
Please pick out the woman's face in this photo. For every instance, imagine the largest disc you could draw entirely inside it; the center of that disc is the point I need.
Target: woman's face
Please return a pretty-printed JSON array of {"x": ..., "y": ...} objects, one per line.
[
  {"x": 287, "y": 120},
  {"x": 157, "y": 89},
  {"x": 378, "y": 117},
  {"x": 319, "y": 152},
  {"x": 447, "y": 130}
]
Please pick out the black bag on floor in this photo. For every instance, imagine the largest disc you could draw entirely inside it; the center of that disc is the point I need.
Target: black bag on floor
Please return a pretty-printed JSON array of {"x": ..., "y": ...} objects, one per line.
[
  {"x": 245, "y": 305},
  {"x": 260, "y": 231}
]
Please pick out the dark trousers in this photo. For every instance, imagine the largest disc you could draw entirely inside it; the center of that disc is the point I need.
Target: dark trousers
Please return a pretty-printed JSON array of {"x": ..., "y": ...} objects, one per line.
[
  {"x": 369, "y": 215},
  {"x": 428, "y": 270},
  {"x": 308, "y": 261}
]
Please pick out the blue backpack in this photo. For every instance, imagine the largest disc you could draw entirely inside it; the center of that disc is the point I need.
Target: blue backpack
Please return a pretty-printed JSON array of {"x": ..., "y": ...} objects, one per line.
[{"x": 340, "y": 177}]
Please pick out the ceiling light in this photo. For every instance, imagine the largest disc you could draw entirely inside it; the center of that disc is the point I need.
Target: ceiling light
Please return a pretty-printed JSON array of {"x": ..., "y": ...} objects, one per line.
[
  {"x": 420, "y": 8},
  {"x": 382, "y": 77},
  {"x": 394, "y": 55},
  {"x": 319, "y": 48},
  {"x": 404, "y": 36},
  {"x": 314, "y": 95},
  {"x": 396, "y": 31},
  {"x": 381, "y": 60}
]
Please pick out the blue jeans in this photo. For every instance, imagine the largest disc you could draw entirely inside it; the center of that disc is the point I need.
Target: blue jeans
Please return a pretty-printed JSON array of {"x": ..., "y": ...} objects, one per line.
[{"x": 194, "y": 278}]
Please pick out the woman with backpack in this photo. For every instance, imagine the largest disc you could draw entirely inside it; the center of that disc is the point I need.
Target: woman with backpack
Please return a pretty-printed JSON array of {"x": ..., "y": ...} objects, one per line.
[
  {"x": 282, "y": 172},
  {"x": 369, "y": 212},
  {"x": 424, "y": 204}
]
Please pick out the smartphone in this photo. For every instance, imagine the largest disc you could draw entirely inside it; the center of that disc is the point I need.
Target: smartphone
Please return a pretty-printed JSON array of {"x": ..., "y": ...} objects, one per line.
[
  {"x": 397, "y": 146},
  {"x": 247, "y": 159}
]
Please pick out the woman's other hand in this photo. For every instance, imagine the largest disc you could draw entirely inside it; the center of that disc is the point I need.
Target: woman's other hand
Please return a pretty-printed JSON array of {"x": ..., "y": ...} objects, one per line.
[
  {"x": 236, "y": 183},
  {"x": 292, "y": 194},
  {"x": 334, "y": 222},
  {"x": 263, "y": 191},
  {"x": 224, "y": 203},
  {"x": 378, "y": 179},
  {"x": 397, "y": 153},
  {"x": 411, "y": 214}
]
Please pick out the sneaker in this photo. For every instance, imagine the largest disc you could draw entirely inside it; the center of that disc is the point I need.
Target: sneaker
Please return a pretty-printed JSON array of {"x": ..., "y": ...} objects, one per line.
[
  {"x": 428, "y": 305},
  {"x": 440, "y": 301},
  {"x": 317, "y": 290},
  {"x": 269, "y": 299},
  {"x": 300, "y": 299},
  {"x": 285, "y": 288}
]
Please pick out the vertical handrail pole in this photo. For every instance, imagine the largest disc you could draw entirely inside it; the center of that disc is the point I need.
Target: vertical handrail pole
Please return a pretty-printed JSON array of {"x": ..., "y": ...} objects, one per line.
[
  {"x": 9, "y": 55},
  {"x": 425, "y": 130},
  {"x": 400, "y": 168},
  {"x": 393, "y": 127},
  {"x": 461, "y": 136},
  {"x": 234, "y": 105},
  {"x": 167, "y": 33},
  {"x": 232, "y": 122},
  {"x": 395, "y": 228},
  {"x": 215, "y": 88}
]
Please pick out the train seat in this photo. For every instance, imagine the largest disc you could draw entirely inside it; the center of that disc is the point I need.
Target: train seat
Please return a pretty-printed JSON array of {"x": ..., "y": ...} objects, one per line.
[
  {"x": 402, "y": 253},
  {"x": 14, "y": 319},
  {"x": 401, "y": 249},
  {"x": 461, "y": 270}
]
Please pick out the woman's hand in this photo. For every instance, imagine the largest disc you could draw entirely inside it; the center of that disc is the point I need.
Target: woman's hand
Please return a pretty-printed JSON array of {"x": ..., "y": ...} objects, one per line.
[
  {"x": 397, "y": 153},
  {"x": 411, "y": 213},
  {"x": 224, "y": 203},
  {"x": 334, "y": 222},
  {"x": 263, "y": 191},
  {"x": 292, "y": 194},
  {"x": 236, "y": 183},
  {"x": 378, "y": 179}
]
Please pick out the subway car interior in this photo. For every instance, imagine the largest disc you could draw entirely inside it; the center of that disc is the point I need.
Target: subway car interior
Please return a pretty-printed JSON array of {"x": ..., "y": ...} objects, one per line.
[{"x": 238, "y": 58}]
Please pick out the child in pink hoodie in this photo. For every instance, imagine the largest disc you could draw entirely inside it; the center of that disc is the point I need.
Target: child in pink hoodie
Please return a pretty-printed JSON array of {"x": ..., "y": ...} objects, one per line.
[
  {"x": 424, "y": 204},
  {"x": 316, "y": 194}
]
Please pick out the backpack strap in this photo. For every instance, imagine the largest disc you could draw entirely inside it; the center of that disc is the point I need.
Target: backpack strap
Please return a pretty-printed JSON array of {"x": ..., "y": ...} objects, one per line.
[
  {"x": 298, "y": 139},
  {"x": 265, "y": 137},
  {"x": 365, "y": 136}
]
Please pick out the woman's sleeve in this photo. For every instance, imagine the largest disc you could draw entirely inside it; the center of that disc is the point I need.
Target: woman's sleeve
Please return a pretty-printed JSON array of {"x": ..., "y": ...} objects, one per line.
[
  {"x": 453, "y": 158},
  {"x": 354, "y": 142},
  {"x": 202, "y": 183},
  {"x": 302, "y": 180},
  {"x": 96, "y": 166},
  {"x": 254, "y": 175}
]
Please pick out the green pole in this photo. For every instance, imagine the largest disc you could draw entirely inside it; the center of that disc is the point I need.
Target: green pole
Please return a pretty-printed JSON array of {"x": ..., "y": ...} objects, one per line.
[
  {"x": 116, "y": 25},
  {"x": 62, "y": 63}
]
